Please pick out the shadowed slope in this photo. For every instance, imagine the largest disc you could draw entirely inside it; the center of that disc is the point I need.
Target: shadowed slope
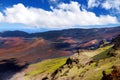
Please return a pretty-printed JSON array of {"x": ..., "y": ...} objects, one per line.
[{"x": 9, "y": 67}]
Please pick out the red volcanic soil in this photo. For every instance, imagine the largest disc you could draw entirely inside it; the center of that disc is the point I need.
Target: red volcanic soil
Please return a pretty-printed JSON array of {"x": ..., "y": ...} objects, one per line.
[
  {"x": 13, "y": 41},
  {"x": 63, "y": 38},
  {"x": 89, "y": 43},
  {"x": 29, "y": 50},
  {"x": 69, "y": 41},
  {"x": 66, "y": 39}
]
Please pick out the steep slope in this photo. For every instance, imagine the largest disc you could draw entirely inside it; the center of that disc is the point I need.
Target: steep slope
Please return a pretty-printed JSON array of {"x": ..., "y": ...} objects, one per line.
[
  {"x": 100, "y": 64},
  {"x": 43, "y": 68}
]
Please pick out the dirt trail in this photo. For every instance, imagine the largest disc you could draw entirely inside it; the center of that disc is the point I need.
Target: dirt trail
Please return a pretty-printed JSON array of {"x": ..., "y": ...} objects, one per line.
[{"x": 18, "y": 76}]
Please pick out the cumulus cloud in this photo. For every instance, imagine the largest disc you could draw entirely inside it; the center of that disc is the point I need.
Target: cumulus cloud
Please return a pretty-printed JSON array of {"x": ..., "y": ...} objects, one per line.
[
  {"x": 64, "y": 16},
  {"x": 111, "y": 4},
  {"x": 106, "y": 4},
  {"x": 93, "y": 3}
]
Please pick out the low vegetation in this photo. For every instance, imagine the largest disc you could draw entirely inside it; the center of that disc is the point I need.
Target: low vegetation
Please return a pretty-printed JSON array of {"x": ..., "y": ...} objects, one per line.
[
  {"x": 44, "y": 67},
  {"x": 100, "y": 61}
]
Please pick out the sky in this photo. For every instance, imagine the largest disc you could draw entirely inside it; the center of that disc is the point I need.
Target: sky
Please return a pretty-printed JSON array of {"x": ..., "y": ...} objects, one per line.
[{"x": 43, "y": 15}]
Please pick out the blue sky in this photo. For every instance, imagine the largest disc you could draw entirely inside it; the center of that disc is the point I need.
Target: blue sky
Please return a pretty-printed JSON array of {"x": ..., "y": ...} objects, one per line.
[{"x": 43, "y": 15}]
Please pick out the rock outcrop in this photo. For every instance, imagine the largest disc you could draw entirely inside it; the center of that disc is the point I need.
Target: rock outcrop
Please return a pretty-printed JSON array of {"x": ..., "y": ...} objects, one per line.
[
  {"x": 115, "y": 75},
  {"x": 116, "y": 41}
]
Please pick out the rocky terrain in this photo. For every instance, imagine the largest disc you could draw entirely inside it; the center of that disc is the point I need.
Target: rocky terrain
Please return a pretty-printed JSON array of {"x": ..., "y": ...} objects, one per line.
[{"x": 100, "y": 64}]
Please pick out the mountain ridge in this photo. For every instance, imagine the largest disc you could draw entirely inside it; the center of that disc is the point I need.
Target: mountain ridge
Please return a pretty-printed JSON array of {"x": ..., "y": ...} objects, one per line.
[{"x": 59, "y": 32}]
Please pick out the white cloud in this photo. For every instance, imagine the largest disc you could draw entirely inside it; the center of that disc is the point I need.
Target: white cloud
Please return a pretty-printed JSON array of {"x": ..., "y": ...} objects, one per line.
[
  {"x": 93, "y": 3},
  {"x": 111, "y": 4},
  {"x": 114, "y": 5},
  {"x": 1, "y": 16},
  {"x": 53, "y": 2},
  {"x": 65, "y": 16},
  {"x": 106, "y": 5},
  {"x": 50, "y": 1}
]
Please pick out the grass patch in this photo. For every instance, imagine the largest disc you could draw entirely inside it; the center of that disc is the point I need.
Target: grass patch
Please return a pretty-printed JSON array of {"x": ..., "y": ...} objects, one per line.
[
  {"x": 46, "y": 66},
  {"x": 96, "y": 72},
  {"x": 92, "y": 53},
  {"x": 104, "y": 54}
]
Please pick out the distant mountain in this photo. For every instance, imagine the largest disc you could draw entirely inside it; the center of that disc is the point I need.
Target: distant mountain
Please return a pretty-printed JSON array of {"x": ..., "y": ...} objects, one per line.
[
  {"x": 14, "y": 34},
  {"x": 80, "y": 33},
  {"x": 76, "y": 38},
  {"x": 76, "y": 33}
]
